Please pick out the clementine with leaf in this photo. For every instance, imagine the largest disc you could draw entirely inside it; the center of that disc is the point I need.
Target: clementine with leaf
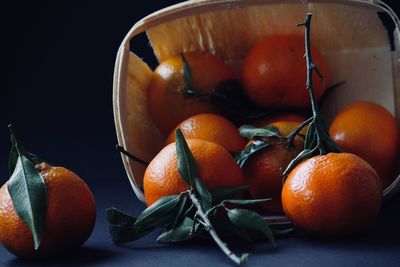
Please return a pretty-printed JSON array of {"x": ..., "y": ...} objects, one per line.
[
  {"x": 69, "y": 218},
  {"x": 176, "y": 89},
  {"x": 216, "y": 167}
]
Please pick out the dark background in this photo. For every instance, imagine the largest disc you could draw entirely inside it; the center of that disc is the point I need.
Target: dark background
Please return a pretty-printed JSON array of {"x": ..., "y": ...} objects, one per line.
[{"x": 57, "y": 61}]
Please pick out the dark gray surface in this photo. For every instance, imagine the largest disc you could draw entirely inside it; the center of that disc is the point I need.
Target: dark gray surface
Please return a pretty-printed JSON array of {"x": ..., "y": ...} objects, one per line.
[{"x": 379, "y": 245}]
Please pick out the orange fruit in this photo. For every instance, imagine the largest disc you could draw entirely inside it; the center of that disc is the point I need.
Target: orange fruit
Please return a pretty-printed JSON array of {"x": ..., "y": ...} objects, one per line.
[
  {"x": 69, "y": 221},
  {"x": 371, "y": 132},
  {"x": 332, "y": 194},
  {"x": 213, "y": 128},
  {"x": 293, "y": 117},
  {"x": 274, "y": 73},
  {"x": 167, "y": 102},
  {"x": 215, "y": 165},
  {"x": 263, "y": 171}
]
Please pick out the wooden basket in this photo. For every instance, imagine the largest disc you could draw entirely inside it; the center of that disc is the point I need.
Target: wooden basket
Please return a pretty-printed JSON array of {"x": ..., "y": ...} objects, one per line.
[{"x": 348, "y": 33}]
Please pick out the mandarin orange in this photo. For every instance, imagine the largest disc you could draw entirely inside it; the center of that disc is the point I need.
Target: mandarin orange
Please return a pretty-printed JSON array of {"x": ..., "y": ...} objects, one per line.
[
  {"x": 371, "y": 132},
  {"x": 274, "y": 73},
  {"x": 69, "y": 221},
  {"x": 332, "y": 194},
  {"x": 216, "y": 167},
  {"x": 264, "y": 171},
  {"x": 168, "y": 104},
  {"x": 213, "y": 128}
]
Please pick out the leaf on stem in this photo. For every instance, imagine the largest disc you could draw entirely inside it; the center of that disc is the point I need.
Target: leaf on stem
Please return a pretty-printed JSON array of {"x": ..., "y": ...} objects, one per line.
[
  {"x": 251, "y": 220},
  {"x": 245, "y": 201},
  {"x": 249, "y": 131},
  {"x": 158, "y": 214},
  {"x": 181, "y": 233},
  {"x": 117, "y": 217},
  {"x": 181, "y": 209},
  {"x": 12, "y": 159},
  {"x": 187, "y": 74},
  {"x": 226, "y": 227},
  {"x": 123, "y": 233},
  {"x": 219, "y": 194},
  {"x": 29, "y": 196},
  {"x": 257, "y": 145},
  {"x": 186, "y": 163},
  {"x": 205, "y": 196}
]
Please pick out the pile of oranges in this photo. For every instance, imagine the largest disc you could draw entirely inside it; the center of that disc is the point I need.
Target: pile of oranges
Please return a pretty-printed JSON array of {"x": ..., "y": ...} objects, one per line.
[{"x": 334, "y": 193}]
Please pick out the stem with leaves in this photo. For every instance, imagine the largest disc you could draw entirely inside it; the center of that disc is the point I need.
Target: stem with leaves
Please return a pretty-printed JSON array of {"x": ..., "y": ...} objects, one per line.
[
  {"x": 209, "y": 227},
  {"x": 317, "y": 141},
  {"x": 193, "y": 212}
]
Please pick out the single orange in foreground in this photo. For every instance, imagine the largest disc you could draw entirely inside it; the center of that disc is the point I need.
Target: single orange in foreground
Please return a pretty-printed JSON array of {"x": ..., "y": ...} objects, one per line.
[
  {"x": 167, "y": 102},
  {"x": 215, "y": 165},
  {"x": 70, "y": 217},
  {"x": 274, "y": 73},
  {"x": 264, "y": 171},
  {"x": 332, "y": 194},
  {"x": 371, "y": 132},
  {"x": 213, "y": 128}
]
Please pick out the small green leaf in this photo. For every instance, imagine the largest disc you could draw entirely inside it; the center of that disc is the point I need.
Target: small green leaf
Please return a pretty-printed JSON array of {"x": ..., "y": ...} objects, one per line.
[
  {"x": 181, "y": 233},
  {"x": 251, "y": 220},
  {"x": 249, "y": 151},
  {"x": 249, "y": 131},
  {"x": 159, "y": 213},
  {"x": 282, "y": 232},
  {"x": 186, "y": 163},
  {"x": 205, "y": 196},
  {"x": 245, "y": 201},
  {"x": 220, "y": 194},
  {"x": 305, "y": 154},
  {"x": 117, "y": 217},
  {"x": 123, "y": 233},
  {"x": 29, "y": 196}
]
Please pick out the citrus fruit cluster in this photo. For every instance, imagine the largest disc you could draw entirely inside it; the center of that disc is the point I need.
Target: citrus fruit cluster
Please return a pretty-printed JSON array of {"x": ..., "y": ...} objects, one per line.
[{"x": 329, "y": 193}]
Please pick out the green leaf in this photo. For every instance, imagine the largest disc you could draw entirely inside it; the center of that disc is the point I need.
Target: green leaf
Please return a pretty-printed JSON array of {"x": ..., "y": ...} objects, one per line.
[
  {"x": 123, "y": 233},
  {"x": 250, "y": 220},
  {"x": 186, "y": 163},
  {"x": 117, "y": 217},
  {"x": 249, "y": 131},
  {"x": 282, "y": 232},
  {"x": 12, "y": 159},
  {"x": 187, "y": 73},
  {"x": 224, "y": 225},
  {"x": 249, "y": 151},
  {"x": 159, "y": 213},
  {"x": 29, "y": 196},
  {"x": 180, "y": 210},
  {"x": 205, "y": 196},
  {"x": 220, "y": 194},
  {"x": 181, "y": 233},
  {"x": 34, "y": 158},
  {"x": 245, "y": 201},
  {"x": 305, "y": 154}
]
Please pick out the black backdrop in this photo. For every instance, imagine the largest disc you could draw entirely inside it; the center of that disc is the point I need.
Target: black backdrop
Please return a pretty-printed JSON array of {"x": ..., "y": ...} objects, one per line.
[{"x": 57, "y": 62}]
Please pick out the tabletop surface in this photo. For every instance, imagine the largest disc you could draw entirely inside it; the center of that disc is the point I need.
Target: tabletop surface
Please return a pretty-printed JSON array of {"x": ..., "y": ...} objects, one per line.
[
  {"x": 379, "y": 245},
  {"x": 57, "y": 61}
]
